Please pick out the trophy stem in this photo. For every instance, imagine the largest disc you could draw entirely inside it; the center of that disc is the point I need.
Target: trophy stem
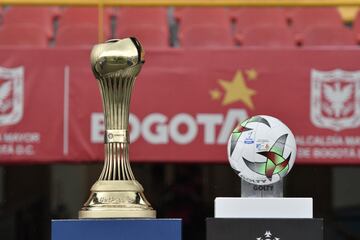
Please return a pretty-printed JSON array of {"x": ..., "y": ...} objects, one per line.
[
  {"x": 116, "y": 109},
  {"x": 117, "y": 166}
]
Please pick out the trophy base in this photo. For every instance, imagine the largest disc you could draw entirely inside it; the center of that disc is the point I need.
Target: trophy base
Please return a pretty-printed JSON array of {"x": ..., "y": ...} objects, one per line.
[
  {"x": 117, "y": 199},
  {"x": 116, "y": 214}
]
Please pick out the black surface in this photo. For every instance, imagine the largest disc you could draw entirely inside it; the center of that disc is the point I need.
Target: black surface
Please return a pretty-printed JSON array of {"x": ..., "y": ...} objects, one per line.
[{"x": 256, "y": 229}]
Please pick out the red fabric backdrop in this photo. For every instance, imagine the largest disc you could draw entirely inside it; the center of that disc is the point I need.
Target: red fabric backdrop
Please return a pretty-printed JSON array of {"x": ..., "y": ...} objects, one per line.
[{"x": 184, "y": 106}]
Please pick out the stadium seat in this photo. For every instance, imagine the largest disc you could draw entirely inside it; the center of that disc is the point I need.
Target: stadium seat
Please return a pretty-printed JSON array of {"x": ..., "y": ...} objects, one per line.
[
  {"x": 246, "y": 18},
  {"x": 149, "y": 25},
  {"x": 204, "y": 27},
  {"x": 328, "y": 36},
  {"x": 139, "y": 15},
  {"x": 79, "y": 26},
  {"x": 83, "y": 15},
  {"x": 203, "y": 36},
  {"x": 77, "y": 35},
  {"x": 23, "y": 35},
  {"x": 150, "y": 36},
  {"x": 270, "y": 36},
  {"x": 303, "y": 18},
  {"x": 203, "y": 16},
  {"x": 41, "y": 16}
]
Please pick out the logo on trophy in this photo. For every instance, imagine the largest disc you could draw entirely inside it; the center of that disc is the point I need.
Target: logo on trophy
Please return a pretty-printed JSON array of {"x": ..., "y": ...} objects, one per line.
[{"x": 117, "y": 194}]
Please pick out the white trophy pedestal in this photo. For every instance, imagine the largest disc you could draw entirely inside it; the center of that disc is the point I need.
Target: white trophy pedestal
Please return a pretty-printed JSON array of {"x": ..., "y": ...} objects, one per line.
[{"x": 236, "y": 207}]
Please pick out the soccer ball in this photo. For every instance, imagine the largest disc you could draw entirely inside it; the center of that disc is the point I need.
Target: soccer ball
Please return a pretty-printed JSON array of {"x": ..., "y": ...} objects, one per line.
[{"x": 262, "y": 150}]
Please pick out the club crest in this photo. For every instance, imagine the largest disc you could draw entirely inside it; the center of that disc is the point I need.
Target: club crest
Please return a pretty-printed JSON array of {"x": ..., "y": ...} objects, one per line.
[
  {"x": 335, "y": 99},
  {"x": 11, "y": 95}
]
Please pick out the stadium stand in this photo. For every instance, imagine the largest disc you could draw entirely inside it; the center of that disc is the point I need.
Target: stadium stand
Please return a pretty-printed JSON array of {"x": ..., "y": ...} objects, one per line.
[
  {"x": 149, "y": 25},
  {"x": 203, "y": 16},
  {"x": 79, "y": 26},
  {"x": 246, "y": 18},
  {"x": 302, "y": 18},
  {"x": 23, "y": 35},
  {"x": 82, "y": 15},
  {"x": 270, "y": 36},
  {"x": 40, "y": 16},
  {"x": 204, "y": 36},
  {"x": 204, "y": 27},
  {"x": 77, "y": 35},
  {"x": 150, "y": 36},
  {"x": 328, "y": 36},
  {"x": 195, "y": 27},
  {"x": 136, "y": 16},
  {"x": 262, "y": 27}
]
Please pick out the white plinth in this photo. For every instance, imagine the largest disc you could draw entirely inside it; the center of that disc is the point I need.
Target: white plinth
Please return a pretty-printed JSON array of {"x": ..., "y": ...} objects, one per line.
[{"x": 263, "y": 207}]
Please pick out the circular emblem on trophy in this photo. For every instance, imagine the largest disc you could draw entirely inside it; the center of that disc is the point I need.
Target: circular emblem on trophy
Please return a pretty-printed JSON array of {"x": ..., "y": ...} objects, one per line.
[
  {"x": 262, "y": 150},
  {"x": 110, "y": 136}
]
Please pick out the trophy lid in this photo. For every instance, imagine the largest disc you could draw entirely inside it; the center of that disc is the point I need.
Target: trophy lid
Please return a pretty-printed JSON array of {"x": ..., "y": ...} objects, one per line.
[{"x": 116, "y": 55}]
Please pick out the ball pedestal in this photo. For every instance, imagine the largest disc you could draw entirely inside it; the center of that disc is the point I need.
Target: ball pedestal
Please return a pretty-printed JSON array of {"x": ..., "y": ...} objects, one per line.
[
  {"x": 262, "y": 151},
  {"x": 249, "y": 190},
  {"x": 261, "y": 214},
  {"x": 263, "y": 229}
]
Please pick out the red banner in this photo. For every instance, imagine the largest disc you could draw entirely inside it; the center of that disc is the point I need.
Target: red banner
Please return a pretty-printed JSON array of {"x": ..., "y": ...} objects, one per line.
[{"x": 185, "y": 103}]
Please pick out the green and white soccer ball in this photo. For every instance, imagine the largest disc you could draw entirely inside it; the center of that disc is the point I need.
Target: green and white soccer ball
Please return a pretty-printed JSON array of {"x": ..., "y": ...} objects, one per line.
[{"x": 262, "y": 150}]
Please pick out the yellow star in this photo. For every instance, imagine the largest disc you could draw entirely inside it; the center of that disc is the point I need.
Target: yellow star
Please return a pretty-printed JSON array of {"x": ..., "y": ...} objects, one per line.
[
  {"x": 236, "y": 90},
  {"x": 251, "y": 74},
  {"x": 215, "y": 94}
]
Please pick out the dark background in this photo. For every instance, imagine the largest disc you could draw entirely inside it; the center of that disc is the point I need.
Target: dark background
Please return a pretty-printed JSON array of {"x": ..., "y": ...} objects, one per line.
[{"x": 32, "y": 195}]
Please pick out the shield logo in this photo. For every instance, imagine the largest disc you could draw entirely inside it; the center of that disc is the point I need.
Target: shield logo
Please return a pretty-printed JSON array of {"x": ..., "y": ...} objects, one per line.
[
  {"x": 11, "y": 95},
  {"x": 335, "y": 99}
]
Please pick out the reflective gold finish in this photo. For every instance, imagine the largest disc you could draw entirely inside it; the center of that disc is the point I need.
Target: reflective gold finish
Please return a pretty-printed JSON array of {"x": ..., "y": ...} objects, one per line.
[{"x": 117, "y": 194}]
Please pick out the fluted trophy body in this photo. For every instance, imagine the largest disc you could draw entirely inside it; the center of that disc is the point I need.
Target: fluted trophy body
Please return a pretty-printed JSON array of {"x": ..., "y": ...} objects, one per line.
[{"x": 117, "y": 194}]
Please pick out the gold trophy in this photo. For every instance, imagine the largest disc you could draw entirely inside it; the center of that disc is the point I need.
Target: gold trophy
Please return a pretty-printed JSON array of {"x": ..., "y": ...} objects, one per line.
[{"x": 117, "y": 194}]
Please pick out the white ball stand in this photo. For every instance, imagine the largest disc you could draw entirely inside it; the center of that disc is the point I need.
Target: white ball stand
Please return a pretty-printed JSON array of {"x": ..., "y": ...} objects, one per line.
[
  {"x": 262, "y": 213},
  {"x": 263, "y": 201}
]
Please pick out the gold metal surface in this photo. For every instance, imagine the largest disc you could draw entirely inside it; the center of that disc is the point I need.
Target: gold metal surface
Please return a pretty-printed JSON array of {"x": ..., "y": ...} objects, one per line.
[{"x": 117, "y": 194}]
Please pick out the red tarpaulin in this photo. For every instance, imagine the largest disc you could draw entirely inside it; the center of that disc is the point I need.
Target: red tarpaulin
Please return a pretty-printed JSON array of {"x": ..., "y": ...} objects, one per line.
[{"x": 185, "y": 103}]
